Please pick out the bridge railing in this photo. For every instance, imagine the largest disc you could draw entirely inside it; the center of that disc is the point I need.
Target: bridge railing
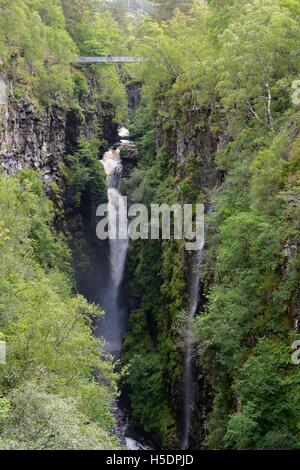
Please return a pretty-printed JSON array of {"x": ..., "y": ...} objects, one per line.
[{"x": 108, "y": 59}]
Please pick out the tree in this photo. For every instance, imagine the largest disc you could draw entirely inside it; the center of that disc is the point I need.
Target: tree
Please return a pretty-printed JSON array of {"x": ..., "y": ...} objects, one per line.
[
  {"x": 256, "y": 64},
  {"x": 118, "y": 11},
  {"x": 43, "y": 421},
  {"x": 165, "y": 8},
  {"x": 48, "y": 392},
  {"x": 229, "y": 76}
]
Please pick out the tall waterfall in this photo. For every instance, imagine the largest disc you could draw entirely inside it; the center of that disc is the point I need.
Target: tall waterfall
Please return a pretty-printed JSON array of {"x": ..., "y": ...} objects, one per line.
[
  {"x": 188, "y": 375},
  {"x": 112, "y": 326},
  {"x": 119, "y": 246},
  {"x": 188, "y": 392},
  {"x": 116, "y": 205}
]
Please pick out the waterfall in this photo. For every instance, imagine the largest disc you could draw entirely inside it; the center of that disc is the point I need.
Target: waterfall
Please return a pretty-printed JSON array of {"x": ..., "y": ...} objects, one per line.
[
  {"x": 118, "y": 246},
  {"x": 188, "y": 375},
  {"x": 112, "y": 327},
  {"x": 188, "y": 392},
  {"x": 132, "y": 444}
]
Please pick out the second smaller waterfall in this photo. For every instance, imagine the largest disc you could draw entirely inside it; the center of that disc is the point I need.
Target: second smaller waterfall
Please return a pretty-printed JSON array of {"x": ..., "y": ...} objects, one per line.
[{"x": 188, "y": 377}]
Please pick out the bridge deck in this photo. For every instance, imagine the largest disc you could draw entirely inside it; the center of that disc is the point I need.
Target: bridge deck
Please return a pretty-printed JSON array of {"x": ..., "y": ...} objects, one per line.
[{"x": 108, "y": 60}]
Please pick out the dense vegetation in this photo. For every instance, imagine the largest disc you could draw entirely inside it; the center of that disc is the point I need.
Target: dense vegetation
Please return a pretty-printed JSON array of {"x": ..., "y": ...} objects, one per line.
[
  {"x": 50, "y": 399},
  {"x": 40, "y": 40},
  {"x": 216, "y": 124},
  {"x": 57, "y": 386},
  {"x": 227, "y": 80}
]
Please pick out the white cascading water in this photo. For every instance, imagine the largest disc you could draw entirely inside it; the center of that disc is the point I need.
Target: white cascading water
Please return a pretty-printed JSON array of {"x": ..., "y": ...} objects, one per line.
[
  {"x": 118, "y": 246},
  {"x": 112, "y": 326},
  {"x": 116, "y": 206},
  {"x": 188, "y": 376},
  {"x": 132, "y": 444}
]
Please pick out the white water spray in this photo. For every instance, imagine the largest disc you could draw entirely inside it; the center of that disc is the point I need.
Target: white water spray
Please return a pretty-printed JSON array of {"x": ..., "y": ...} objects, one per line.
[
  {"x": 112, "y": 326},
  {"x": 188, "y": 376},
  {"x": 117, "y": 215}
]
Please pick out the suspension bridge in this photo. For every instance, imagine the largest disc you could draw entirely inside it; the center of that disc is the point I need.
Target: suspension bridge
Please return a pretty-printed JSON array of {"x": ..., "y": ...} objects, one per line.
[{"x": 109, "y": 59}]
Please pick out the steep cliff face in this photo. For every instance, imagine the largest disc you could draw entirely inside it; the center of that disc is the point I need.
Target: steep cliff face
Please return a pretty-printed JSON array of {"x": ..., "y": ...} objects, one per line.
[
  {"x": 38, "y": 137},
  {"x": 192, "y": 145},
  {"x": 176, "y": 164},
  {"x": 31, "y": 138},
  {"x": 134, "y": 95}
]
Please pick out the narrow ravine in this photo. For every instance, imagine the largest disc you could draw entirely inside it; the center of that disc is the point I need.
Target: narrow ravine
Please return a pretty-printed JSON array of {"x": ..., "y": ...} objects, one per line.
[
  {"x": 112, "y": 327},
  {"x": 115, "y": 332}
]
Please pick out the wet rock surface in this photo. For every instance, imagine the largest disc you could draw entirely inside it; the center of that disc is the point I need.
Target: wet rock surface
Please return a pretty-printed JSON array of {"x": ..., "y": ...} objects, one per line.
[
  {"x": 134, "y": 95},
  {"x": 129, "y": 157}
]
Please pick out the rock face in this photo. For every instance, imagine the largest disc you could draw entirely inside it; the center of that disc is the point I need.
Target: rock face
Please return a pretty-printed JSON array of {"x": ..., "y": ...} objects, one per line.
[
  {"x": 192, "y": 140},
  {"x": 31, "y": 139},
  {"x": 134, "y": 95},
  {"x": 38, "y": 138},
  {"x": 190, "y": 144},
  {"x": 129, "y": 157}
]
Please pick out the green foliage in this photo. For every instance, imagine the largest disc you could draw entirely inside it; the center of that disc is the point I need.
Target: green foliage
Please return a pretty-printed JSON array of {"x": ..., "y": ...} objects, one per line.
[
  {"x": 49, "y": 396},
  {"x": 96, "y": 33},
  {"x": 221, "y": 95},
  {"x": 216, "y": 105},
  {"x": 84, "y": 175},
  {"x": 150, "y": 347},
  {"x": 157, "y": 292},
  {"x": 4, "y": 408},
  {"x": 37, "y": 51},
  {"x": 42, "y": 421},
  {"x": 81, "y": 86},
  {"x": 267, "y": 403},
  {"x": 166, "y": 8},
  {"x": 113, "y": 91},
  {"x": 39, "y": 42},
  {"x": 252, "y": 293},
  {"x": 257, "y": 66},
  {"x": 150, "y": 408}
]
